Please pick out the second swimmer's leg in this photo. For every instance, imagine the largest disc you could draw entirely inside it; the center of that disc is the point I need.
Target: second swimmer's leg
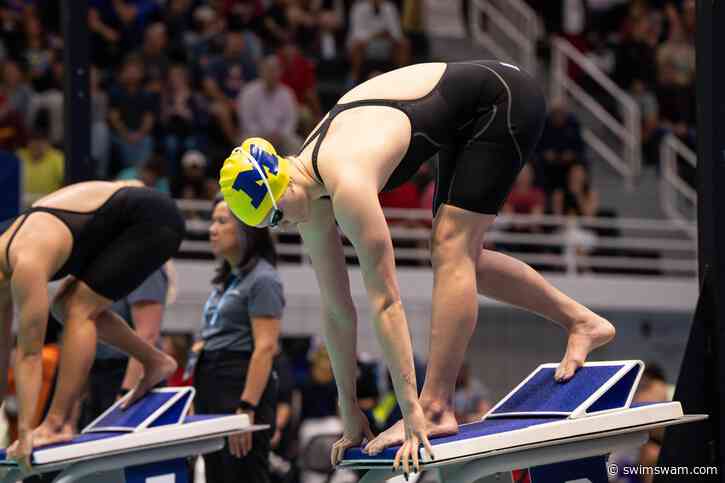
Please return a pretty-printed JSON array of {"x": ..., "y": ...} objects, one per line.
[{"x": 77, "y": 306}]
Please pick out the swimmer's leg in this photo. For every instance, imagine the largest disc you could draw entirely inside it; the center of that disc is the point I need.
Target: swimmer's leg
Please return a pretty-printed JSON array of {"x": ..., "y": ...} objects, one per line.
[
  {"x": 512, "y": 281},
  {"x": 157, "y": 366},
  {"x": 456, "y": 242},
  {"x": 76, "y": 306}
]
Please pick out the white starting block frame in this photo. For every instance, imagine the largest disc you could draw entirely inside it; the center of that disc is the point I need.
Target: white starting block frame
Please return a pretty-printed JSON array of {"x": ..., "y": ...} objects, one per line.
[
  {"x": 540, "y": 423},
  {"x": 145, "y": 442}
]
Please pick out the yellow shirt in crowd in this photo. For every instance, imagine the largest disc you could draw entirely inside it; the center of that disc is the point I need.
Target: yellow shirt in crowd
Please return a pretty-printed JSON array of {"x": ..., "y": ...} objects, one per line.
[{"x": 44, "y": 175}]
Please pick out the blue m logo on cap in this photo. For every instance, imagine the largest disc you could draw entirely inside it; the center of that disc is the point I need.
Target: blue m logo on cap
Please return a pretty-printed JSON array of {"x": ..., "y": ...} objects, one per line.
[{"x": 250, "y": 181}]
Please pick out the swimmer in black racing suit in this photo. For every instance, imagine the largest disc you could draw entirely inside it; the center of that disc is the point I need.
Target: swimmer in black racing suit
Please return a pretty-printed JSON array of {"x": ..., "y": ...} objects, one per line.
[
  {"x": 105, "y": 239},
  {"x": 483, "y": 119}
]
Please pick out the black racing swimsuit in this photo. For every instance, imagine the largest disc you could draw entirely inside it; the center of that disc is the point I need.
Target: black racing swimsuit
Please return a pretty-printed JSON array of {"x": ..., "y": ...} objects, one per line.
[
  {"x": 118, "y": 245},
  {"x": 482, "y": 118}
]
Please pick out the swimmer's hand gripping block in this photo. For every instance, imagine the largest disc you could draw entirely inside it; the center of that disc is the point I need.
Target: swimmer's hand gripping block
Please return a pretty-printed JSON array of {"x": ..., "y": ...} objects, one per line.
[{"x": 596, "y": 388}]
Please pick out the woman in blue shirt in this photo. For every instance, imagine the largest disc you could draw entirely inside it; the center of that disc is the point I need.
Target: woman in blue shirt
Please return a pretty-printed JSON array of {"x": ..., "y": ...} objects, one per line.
[{"x": 240, "y": 332}]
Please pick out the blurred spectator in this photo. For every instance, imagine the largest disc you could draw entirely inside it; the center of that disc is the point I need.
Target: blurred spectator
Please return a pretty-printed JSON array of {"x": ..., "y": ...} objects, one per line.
[
  {"x": 407, "y": 196},
  {"x": 577, "y": 198},
  {"x": 128, "y": 18},
  {"x": 11, "y": 30},
  {"x": 652, "y": 388},
  {"x": 104, "y": 39},
  {"x": 243, "y": 14},
  {"x": 38, "y": 54},
  {"x": 471, "y": 399},
  {"x": 132, "y": 114},
  {"x": 319, "y": 392},
  {"x": 676, "y": 72},
  {"x": 651, "y": 131},
  {"x": 208, "y": 33},
  {"x": 268, "y": 109},
  {"x": 13, "y": 133},
  {"x": 178, "y": 18},
  {"x": 225, "y": 75},
  {"x": 182, "y": 116},
  {"x": 277, "y": 24},
  {"x": 375, "y": 34},
  {"x": 525, "y": 199},
  {"x": 193, "y": 184},
  {"x": 635, "y": 55},
  {"x": 50, "y": 98},
  {"x": 561, "y": 145},
  {"x": 100, "y": 132},
  {"x": 151, "y": 173},
  {"x": 298, "y": 73},
  {"x": 43, "y": 165},
  {"x": 14, "y": 86},
  {"x": 153, "y": 54}
]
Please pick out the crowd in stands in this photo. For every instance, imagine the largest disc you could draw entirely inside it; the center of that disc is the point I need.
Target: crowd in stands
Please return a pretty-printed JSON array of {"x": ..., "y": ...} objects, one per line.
[
  {"x": 174, "y": 77},
  {"x": 647, "y": 47}
]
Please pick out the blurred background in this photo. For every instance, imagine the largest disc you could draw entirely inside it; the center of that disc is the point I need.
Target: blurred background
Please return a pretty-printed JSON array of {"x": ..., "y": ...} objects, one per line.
[{"x": 606, "y": 209}]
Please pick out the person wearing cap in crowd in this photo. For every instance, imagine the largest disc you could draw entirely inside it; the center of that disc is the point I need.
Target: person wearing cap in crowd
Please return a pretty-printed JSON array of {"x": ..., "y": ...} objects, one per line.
[
  {"x": 232, "y": 361},
  {"x": 483, "y": 120},
  {"x": 193, "y": 184}
]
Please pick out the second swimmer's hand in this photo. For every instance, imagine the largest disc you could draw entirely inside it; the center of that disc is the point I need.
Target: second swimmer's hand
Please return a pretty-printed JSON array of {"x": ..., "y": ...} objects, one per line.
[
  {"x": 357, "y": 428},
  {"x": 416, "y": 433},
  {"x": 21, "y": 450}
]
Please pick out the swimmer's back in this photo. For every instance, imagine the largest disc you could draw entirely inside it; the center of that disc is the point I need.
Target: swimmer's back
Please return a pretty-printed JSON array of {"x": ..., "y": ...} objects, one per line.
[
  {"x": 83, "y": 197},
  {"x": 406, "y": 83}
]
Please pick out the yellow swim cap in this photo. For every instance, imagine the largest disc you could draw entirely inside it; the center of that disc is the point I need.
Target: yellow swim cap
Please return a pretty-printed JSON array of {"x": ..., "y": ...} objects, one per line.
[{"x": 242, "y": 180}]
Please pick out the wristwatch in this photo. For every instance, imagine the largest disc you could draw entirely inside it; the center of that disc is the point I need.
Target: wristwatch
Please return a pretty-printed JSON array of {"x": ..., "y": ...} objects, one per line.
[{"x": 247, "y": 406}]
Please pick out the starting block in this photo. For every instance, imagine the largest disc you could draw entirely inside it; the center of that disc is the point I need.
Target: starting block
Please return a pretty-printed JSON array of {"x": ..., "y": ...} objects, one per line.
[
  {"x": 542, "y": 423},
  {"x": 145, "y": 443}
]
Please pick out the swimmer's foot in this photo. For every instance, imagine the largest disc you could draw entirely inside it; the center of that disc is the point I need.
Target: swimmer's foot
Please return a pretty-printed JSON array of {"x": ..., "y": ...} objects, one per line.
[
  {"x": 441, "y": 422},
  {"x": 47, "y": 433},
  {"x": 154, "y": 373},
  {"x": 584, "y": 337}
]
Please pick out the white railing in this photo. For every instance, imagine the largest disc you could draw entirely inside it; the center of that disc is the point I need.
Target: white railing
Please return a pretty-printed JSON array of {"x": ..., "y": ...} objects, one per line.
[
  {"x": 561, "y": 244},
  {"x": 618, "y": 142},
  {"x": 507, "y": 28},
  {"x": 678, "y": 198}
]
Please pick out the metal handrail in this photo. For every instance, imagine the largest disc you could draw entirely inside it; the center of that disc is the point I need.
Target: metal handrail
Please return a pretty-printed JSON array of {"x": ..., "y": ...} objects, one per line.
[
  {"x": 517, "y": 21},
  {"x": 664, "y": 246},
  {"x": 628, "y": 131},
  {"x": 674, "y": 191}
]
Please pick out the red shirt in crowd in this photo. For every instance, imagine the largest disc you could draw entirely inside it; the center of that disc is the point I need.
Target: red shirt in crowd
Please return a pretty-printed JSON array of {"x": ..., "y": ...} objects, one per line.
[
  {"x": 524, "y": 202},
  {"x": 298, "y": 73}
]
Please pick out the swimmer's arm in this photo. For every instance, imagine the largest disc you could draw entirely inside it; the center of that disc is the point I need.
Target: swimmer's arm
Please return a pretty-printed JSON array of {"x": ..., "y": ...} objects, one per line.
[
  {"x": 6, "y": 327},
  {"x": 30, "y": 292},
  {"x": 361, "y": 217},
  {"x": 339, "y": 320}
]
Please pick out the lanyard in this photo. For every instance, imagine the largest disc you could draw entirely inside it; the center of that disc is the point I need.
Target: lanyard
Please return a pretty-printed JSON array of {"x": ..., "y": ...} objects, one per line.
[{"x": 215, "y": 317}]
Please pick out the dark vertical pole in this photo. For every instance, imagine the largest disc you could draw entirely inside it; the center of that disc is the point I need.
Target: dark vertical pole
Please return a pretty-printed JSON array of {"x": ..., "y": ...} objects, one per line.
[
  {"x": 700, "y": 386},
  {"x": 76, "y": 103}
]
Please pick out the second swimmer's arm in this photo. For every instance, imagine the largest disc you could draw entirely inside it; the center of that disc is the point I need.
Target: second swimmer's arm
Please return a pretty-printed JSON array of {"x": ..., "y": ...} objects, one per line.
[
  {"x": 6, "y": 328},
  {"x": 30, "y": 292},
  {"x": 361, "y": 218}
]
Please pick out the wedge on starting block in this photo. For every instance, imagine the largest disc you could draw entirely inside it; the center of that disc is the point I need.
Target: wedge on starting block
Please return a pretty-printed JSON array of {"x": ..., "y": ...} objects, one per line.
[
  {"x": 542, "y": 421},
  {"x": 143, "y": 442}
]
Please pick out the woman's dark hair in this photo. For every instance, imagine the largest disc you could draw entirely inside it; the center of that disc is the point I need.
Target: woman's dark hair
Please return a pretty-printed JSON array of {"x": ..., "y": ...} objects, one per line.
[{"x": 258, "y": 246}]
